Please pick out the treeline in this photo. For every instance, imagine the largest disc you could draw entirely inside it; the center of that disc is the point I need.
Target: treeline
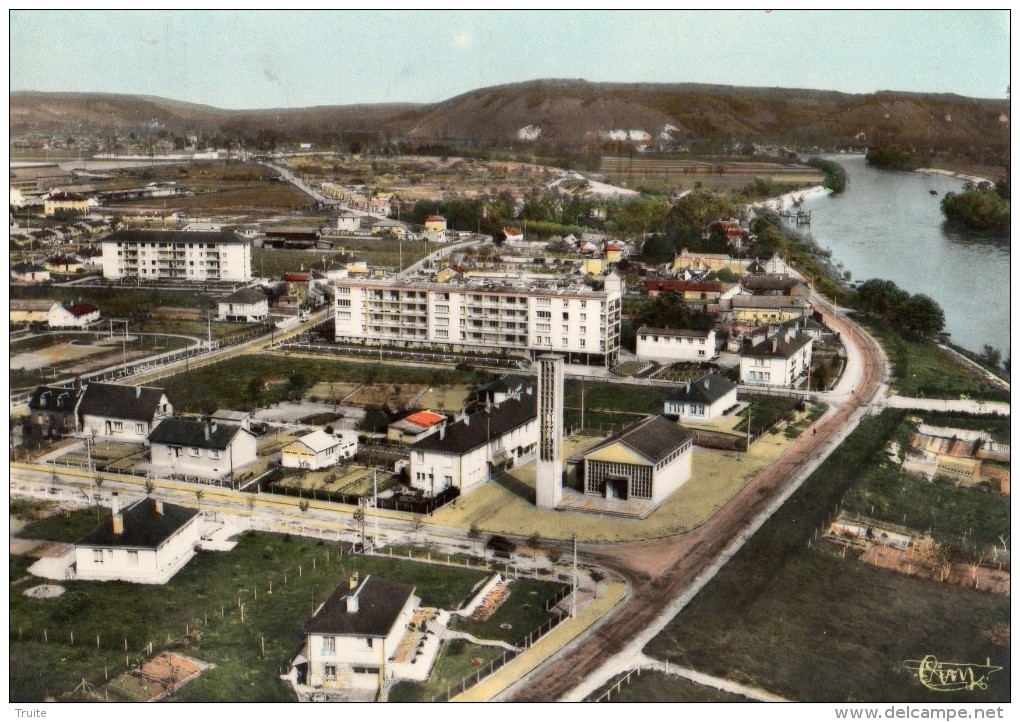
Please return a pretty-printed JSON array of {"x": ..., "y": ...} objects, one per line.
[
  {"x": 984, "y": 209},
  {"x": 890, "y": 158},
  {"x": 917, "y": 312},
  {"x": 835, "y": 174}
]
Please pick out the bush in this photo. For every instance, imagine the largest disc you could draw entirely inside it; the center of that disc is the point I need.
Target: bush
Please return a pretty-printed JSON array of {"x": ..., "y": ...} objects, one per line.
[{"x": 71, "y": 605}]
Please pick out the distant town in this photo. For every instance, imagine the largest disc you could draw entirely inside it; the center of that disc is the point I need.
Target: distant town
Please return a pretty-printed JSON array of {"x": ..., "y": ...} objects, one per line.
[{"x": 348, "y": 422}]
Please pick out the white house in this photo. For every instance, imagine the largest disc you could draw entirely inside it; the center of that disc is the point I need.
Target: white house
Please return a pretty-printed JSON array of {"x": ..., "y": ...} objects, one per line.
[
  {"x": 782, "y": 360},
  {"x": 348, "y": 222},
  {"x": 668, "y": 345},
  {"x": 246, "y": 305},
  {"x": 30, "y": 310},
  {"x": 29, "y": 273},
  {"x": 352, "y": 636},
  {"x": 146, "y": 543},
  {"x": 122, "y": 413},
  {"x": 184, "y": 255},
  {"x": 648, "y": 460},
  {"x": 465, "y": 453},
  {"x": 702, "y": 400},
  {"x": 319, "y": 450},
  {"x": 200, "y": 448},
  {"x": 78, "y": 315}
]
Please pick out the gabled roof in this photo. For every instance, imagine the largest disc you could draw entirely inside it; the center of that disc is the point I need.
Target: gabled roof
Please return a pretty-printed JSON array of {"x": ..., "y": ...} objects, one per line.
[
  {"x": 769, "y": 283},
  {"x": 478, "y": 428},
  {"x": 137, "y": 403},
  {"x": 769, "y": 302},
  {"x": 505, "y": 384},
  {"x": 244, "y": 295},
  {"x": 317, "y": 441},
  {"x": 53, "y": 398},
  {"x": 707, "y": 390},
  {"x": 140, "y": 236},
  {"x": 780, "y": 346},
  {"x": 654, "y": 438},
  {"x": 144, "y": 525},
  {"x": 82, "y": 309},
  {"x": 435, "y": 219},
  {"x": 27, "y": 268},
  {"x": 379, "y": 605},
  {"x": 665, "y": 285},
  {"x": 197, "y": 434}
]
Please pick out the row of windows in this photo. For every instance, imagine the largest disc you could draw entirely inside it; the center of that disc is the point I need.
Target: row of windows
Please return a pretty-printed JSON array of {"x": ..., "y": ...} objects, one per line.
[{"x": 99, "y": 556}]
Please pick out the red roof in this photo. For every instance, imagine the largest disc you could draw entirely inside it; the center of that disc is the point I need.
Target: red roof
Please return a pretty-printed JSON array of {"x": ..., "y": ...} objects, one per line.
[
  {"x": 512, "y": 232},
  {"x": 82, "y": 309},
  {"x": 425, "y": 418},
  {"x": 297, "y": 277},
  {"x": 614, "y": 248},
  {"x": 433, "y": 219}
]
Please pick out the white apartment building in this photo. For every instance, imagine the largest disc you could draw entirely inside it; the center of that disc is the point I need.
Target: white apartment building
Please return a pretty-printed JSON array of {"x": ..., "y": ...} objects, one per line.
[
  {"x": 183, "y": 255},
  {"x": 783, "y": 359},
  {"x": 668, "y": 345},
  {"x": 561, "y": 316}
]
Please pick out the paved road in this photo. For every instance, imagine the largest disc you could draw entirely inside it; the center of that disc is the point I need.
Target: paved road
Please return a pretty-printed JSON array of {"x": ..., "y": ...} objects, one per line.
[{"x": 665, "y": 574}]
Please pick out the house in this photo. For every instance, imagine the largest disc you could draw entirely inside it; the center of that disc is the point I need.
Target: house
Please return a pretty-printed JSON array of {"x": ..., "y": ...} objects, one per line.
[
  {"x": 513, "y": 235},
  {"x": 352, "y": 636},
  {"x": 435, "y": 229},
  {"x": 782, "y": 360},
  {"x": 702, "y": 400},
  {"x": 758, "y": 310},
  {"x": 293, "y": 237},
  {"x": 72, "y": 202},
  {"x": 77, "y": 315},
  {"x": 146, "y": 543},
  {"x": 388, "y": 225},
  {"x": 706, "y": 262},
  {"x": 668, "y": 345},
  {"x": 319, "y": 450},
  {"x": 499, "y": 390},
  {"x": 232, "y": 418},
  {"x": 122, "y": 413},
  {"x": 648, "y": 460},
  {"x": 51, "y": 410},
  {"x": 762, "y": 285},
  {"x": 200, "y": 448},
  {"x": 348, "y": 222},
  {"x": 465, "y": 453},
  {"x": 245, "y": 305},
  {"x": 696, "y": 291},
  {"x": 414, "y": 427},
  {"x": 614, "y": 253},
  {"x": 29, "y": 273},
  {"x": 31, "y": 311},
  {"x": 62, "y": 263},
  {"x": 182, "y": 255}
]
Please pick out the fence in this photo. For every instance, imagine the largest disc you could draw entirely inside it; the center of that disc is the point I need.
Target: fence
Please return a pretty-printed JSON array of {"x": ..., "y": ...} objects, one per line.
[
  {"x": 509, "y": 655},
  {"x": 608, "y": 694},
  {"x": 128, "y": 471},
  {"x": 397, "y": 503},
  {"x": 380, "y": 353}
]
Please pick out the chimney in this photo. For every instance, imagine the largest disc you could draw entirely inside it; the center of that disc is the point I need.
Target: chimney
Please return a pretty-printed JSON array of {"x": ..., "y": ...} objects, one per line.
[
  {"x": 138, "y": 392},
  {"x": 775, "y": 344},
  {"x": 442, "y": 432},
  {"x": 115, "y": 502},
  {"x": 352, "y": 603},
  {"x": 159, "y": 508},
  {"x": 207, "y": 429},
  {"x": 118, "y": 518},
  {"x": 353, "y": 581},
  {"x": 467, "y": 420},
  {"x": 688, "y": 386}
]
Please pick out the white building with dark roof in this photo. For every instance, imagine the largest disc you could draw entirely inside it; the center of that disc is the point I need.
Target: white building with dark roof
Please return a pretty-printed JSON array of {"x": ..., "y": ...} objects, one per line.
[
  {"x": 352, "y": 637},
  {"x": 702, "y": 400},
  {"x": 245, "y": 305},
  {"x": 200, "y": 448},
  {"x": 783, "y": 359},
  {"x": 319, "y": 450},
  {"x": 146, "y": 543},
  {"x": 122, "y": 413},
  {"x": 466, "y": 452},
  {"x": 668, "y": 345},
  {"x": 648, "y": 461},
  {"x": 179, "y": 255}
]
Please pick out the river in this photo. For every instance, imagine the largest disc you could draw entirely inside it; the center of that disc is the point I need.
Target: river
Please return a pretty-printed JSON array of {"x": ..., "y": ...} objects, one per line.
[{"x": 888, "y": 225}]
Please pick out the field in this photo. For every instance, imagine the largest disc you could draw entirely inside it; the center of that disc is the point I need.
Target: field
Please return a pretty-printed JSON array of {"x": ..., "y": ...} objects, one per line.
[
  {"x": 796, "y": 620},
  {"x": 724, "y": 175},
  {"x": 252, "y": 198},
  {"x": 192, "y": 603}
]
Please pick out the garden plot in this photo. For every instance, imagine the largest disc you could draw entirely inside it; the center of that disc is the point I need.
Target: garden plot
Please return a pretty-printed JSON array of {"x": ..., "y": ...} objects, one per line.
[
  {"x": 445, "y": 398},
  {"x": 398, "y": 396},
  {"x": 353, "y": 479}
]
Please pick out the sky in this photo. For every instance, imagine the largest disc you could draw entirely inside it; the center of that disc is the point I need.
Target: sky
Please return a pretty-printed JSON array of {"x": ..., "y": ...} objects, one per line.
[{"x": 269, "y": 59}]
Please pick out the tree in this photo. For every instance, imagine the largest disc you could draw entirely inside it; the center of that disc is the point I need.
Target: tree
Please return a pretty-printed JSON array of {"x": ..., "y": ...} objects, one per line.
[
  {"x": 533, "y": 541},
  {"x": 199, "y": 495},
  {"x": 150, "y": 486},
  {"x": 990, "y": 356},
  {"x": 597, "y": 577},
  {"x": 553, "y": 554},
  {"x": 923, "y": 315},
  {"x": 417, "y": 525},
  {"x": 474, "y": 534},
  {"x": 359, "y": 518}
]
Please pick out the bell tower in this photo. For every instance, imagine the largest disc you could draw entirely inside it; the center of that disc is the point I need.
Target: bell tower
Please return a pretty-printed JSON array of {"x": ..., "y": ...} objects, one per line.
[{"x": 549, "y": 467}]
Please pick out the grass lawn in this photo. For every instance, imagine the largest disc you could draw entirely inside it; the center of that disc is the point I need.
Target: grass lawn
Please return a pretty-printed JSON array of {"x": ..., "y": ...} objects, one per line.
[
  {"x": 226, "y": 384},
  {"x": 763, "y": 411},
  {"x": 523, "y": 610},
  {"x": 921, "y": 369},
  {"x": 654, "y": 686},
  {"x": 807, "y": 625},
  {"x": 66, "y": 527},
  {"x": 454, "y": 663},
  {"x": 250, "y": 196},
  {"x": 610, "y": 406},
  {"x": 193, "y": 599}
]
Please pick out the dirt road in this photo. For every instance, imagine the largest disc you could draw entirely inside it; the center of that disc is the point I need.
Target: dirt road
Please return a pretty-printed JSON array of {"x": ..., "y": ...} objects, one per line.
[{"x": 659, "y": 571}]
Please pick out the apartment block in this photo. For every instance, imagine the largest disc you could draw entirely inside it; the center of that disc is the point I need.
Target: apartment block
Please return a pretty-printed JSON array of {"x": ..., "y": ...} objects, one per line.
[{"x": 179, "y": 255}]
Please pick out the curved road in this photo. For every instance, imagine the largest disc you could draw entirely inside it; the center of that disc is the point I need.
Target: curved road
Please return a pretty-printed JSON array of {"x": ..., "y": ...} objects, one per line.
[{"x": 661, "y": 571}]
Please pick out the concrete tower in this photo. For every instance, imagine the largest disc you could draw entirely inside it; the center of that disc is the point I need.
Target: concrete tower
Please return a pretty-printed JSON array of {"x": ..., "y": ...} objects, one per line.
[{"x": 549, "y": 468}]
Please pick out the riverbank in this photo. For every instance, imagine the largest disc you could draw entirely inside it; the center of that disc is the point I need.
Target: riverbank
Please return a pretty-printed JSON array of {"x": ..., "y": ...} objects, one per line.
[
  {"x": 793, "y": 198},
  {"x": 976, "y": 180}
]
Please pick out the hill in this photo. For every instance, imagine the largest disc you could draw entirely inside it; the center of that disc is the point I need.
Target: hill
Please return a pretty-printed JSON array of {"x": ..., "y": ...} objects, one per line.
[{"x": 574, "y": 114}]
